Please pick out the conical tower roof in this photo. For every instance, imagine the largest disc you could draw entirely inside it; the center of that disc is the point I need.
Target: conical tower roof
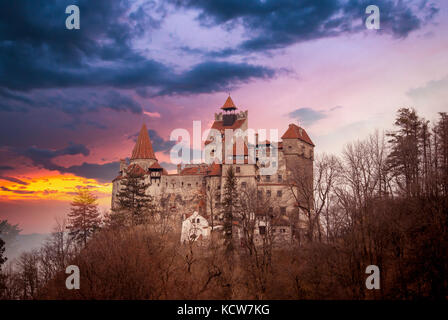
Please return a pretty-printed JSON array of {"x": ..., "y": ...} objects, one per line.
[
  {"x": 228, "y": 105},
  {"x": 143, "y": 147}
]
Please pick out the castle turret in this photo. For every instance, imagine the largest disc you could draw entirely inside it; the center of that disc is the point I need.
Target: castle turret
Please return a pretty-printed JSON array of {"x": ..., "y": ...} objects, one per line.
[
  {"x": 229, "y": 116},
  {"x": 143, "y": 153}
]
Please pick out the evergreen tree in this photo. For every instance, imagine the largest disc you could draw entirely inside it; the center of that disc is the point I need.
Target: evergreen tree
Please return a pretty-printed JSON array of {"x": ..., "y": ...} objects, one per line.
[
  {"x": 133, "y": 200},
  {"x": 230, "y": 205},
  {"x": 84, "y": 217},
  {"x": 2, "y": 261},
  {"x": 9, "y": 235},
  {"x": 2, "y": 251},
  {"x": 405, "y": 156},
  {"x": 441, "y": 154}
]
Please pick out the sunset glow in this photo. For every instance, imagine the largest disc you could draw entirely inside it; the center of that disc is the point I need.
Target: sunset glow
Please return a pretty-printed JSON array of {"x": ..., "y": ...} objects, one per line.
[{"x": 73, "y": 101}]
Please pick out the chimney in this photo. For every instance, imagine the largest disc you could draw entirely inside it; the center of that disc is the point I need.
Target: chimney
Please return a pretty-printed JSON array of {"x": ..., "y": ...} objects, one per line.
[{"x": 179, "y": 168}]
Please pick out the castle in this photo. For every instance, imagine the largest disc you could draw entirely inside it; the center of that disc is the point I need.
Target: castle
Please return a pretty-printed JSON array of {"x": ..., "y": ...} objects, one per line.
[{"x": 200, "y": 187}]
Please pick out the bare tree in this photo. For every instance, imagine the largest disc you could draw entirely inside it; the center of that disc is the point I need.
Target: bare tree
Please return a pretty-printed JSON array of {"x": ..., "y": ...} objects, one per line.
[{"x": 57, "y": 251}]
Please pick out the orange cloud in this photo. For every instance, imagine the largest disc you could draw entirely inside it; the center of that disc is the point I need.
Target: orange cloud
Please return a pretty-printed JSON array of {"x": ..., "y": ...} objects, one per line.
[{"x": 53, "y": 187}]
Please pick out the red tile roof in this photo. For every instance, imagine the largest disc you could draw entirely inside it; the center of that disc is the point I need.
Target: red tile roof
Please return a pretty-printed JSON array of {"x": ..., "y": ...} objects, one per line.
[
  {"x": 155, "y": 165},
  {"x": 143, "y": 147},
  {"x": 296, "y": 132},
  {"x": 192, "y": 171},
  {"x": 136, "y": 170},
  {"x": 214, "y": 169},
  {"x": 228, "y": 105}
]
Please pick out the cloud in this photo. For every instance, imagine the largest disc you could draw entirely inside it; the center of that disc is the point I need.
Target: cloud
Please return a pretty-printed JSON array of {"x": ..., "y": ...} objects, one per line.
[
  {"x": 168, "y": 165},
  {"x": 431, "y": 97},
  {"x": 275, "y": 24},
  {"x": 215, "y": 76},
  {"x": 307, "y": 116},
  {"x": 6, "y": 168},
  {"x": 12, "y": 179},
  {"x": 102, "y": 172},
  {"x": 44, "y": 158},
  {"x": 38, "y": 55},
  {"x": 152, "y": 114},
  {"x": 16, "y": 191},
  {"x": 158, "y": 143},
  {"x": 71, "y": 101}
]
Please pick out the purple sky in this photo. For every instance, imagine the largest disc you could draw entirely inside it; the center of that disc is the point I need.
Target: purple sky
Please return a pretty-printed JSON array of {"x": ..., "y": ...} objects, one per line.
[{"x": 71, "y": 101}]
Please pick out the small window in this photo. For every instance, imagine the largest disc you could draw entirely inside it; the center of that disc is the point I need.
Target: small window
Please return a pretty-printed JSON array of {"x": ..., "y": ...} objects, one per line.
[
  {"x": 268, "y": 178},
  {"x": 189, "y": 184},
  {"x": 238, "y": 169},
  {"x": 283, "y": 210},
  {"x": 262, "y": 229},
  {"x": 268, "y": 193},
  {"x": 271, "y": 210},
  {"x": 243, "y": 184},
  {"x": 182, "y": 184},
  {"x": 280, "y": 178},
  {"x": 260, "y": 194},
  {"x": 279, "y": 193},
  {"x": 197, "y": 220}
]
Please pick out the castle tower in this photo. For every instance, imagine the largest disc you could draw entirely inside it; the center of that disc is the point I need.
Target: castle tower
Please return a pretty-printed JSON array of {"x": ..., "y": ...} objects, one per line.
[
  {"x": 229, "y": 116},
  {"x": 143, "y": 153},
  {"x": 298, "y": 151}
]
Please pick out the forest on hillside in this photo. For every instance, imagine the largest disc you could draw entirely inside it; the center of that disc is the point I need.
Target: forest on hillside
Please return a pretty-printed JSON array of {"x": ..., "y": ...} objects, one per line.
[{"x": 383, "y": 202}]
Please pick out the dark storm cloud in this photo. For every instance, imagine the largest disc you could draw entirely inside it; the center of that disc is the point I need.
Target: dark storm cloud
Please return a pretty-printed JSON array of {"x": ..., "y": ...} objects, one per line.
[
  {"x": 275, "y": 24},
  {"x": 213, "y": 76},
  {"x": 101, "y": 172},
  {"x": 6, "y": 168},
  {"x": 37, "y": 53},
  {"x": 71, "y": 101},
  {"x": 43, "y": 158}
]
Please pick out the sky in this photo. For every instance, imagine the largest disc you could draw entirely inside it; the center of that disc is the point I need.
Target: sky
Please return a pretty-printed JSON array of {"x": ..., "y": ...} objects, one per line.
[{"x": 73, "y": 101}]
